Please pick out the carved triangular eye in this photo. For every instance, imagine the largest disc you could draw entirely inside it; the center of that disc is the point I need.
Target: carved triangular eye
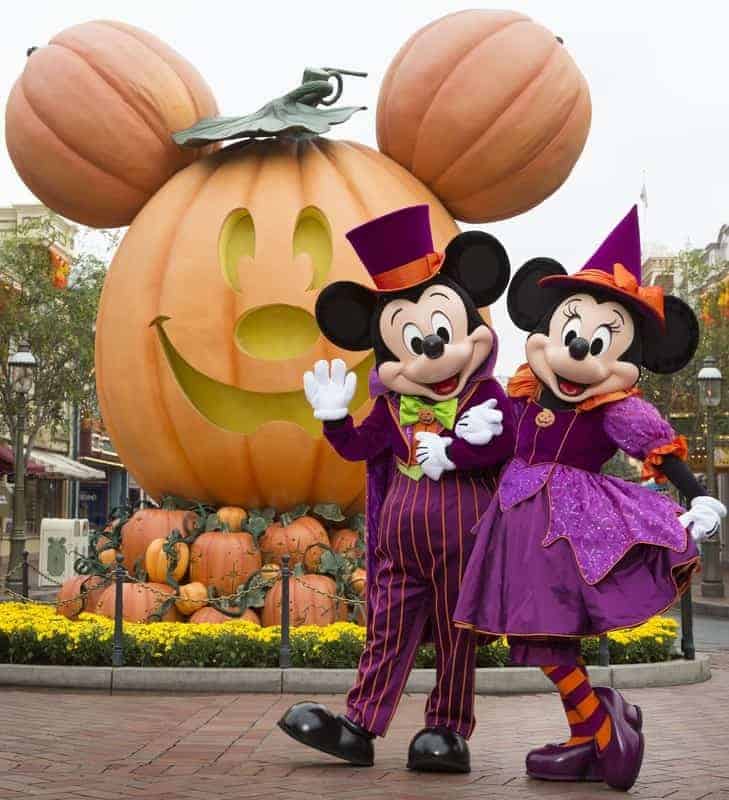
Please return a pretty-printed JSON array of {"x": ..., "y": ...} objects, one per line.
[
  {"x": 237, "y": 241},
  {"x": 313, "y": 238}
]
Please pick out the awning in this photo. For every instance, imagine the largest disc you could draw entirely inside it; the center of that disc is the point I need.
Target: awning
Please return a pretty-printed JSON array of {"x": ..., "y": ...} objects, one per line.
[
  {"x": 58, "y": 466},
  {"x": 7, "y": 462}
]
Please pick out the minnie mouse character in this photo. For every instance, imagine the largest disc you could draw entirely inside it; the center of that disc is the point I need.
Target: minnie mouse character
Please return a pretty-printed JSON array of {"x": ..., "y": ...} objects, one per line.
[
  {"x": 433, "y": 442},
  {"x": 563, "y": 550}
]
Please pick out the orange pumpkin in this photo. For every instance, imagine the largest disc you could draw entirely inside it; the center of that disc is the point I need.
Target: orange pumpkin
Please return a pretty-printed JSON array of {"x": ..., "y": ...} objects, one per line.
[
  {"x": 488, "y": 109},
  {"x": 140, "y": 601},
  {"x": 347, "y": 543},
  {"x": 358, "y": 581},
  {"x": 77, "y": 594},
  {"x": 224, "y": 560},
  {"x": 193, "y": 596},
  {"x": 97, "y": 107},
  {"x": 298, "y": 540},
  {"x": 211, "y": 405},
  {"x": 233, "y": 517},
  {"x": 311, "y": 602},
  {"x": 156, "y": 561},
  {"x": 149, "y": 524},
  {"x": 108, "y": 556},
  {"x": 213, "y": 616}
]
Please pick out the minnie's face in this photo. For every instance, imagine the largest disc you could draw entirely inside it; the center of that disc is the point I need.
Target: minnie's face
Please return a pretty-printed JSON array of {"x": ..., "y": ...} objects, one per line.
[
  {"x": 435, "y": 354},
  {"x": 580, "y": 356}
]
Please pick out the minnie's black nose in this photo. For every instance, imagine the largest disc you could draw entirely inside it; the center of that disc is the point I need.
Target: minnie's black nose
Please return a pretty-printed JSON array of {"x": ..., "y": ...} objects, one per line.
[
  {"x": 579, "y": 348},
  {"x": 433, "y": 346}
]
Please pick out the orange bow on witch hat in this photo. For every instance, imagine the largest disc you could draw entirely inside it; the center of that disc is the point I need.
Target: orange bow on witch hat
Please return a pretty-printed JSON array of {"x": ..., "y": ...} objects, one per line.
[{"x": 615, "y": 267}]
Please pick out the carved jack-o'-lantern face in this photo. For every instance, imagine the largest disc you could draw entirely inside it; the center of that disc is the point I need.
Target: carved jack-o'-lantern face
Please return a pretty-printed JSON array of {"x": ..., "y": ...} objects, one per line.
[{"x": 206, "y": 323}]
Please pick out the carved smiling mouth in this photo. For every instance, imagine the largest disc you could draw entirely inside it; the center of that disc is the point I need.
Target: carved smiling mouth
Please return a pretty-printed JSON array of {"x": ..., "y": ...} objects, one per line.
[
  {"x": 244, "y": 411},
  {"x": 570, "y": 388}
]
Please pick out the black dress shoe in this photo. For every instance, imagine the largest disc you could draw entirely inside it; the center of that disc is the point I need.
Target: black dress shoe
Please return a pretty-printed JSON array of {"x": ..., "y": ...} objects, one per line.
[
  {"x": 314, "y": 725},
  {"x": 439, "y": 750}
]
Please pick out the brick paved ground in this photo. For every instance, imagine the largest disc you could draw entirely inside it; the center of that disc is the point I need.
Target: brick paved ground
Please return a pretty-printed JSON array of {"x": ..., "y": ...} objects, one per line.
[{"x": 64, "y": 745}]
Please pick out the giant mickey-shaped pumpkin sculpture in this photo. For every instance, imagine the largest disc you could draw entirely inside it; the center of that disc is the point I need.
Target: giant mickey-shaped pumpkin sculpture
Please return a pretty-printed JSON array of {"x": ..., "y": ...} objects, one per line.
[{"x": 206, "y": 321}]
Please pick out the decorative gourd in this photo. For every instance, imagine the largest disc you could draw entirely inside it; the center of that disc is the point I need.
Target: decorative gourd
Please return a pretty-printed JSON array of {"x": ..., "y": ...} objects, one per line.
[
  {"x": 148, "y": 524},
  {"x": 347, "y": 543},
  {"x": 298, "y": 539},
  {"x": 193, "y": 597},
  {"x": 224, "y": 560},
  {"x": 233, "y": 517},
  {"x": 311, "y": 602},
  {"x": 211, "y": 405},
  {"x": 157, "y": 561},
  {"x": 140, "y": 602},
  {"x": 96, "y": 108},
  {"x": 108, "y": 555},
  {"x": 488, "y": 109},
  {"x": 358, "y": 581},
  {"x": 212, "y": 616},
  {"x": 78, "y": 594}
]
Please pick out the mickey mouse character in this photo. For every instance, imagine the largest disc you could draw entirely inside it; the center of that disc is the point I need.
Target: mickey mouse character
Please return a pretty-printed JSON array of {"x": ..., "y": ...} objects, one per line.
[
  {"x": 433, "y": 442},
  {"x": 565, "y": 551}
]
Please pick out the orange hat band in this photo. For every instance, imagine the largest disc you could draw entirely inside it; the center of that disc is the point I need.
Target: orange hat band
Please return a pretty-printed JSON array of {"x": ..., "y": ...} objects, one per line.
[
  {"x": 410, "y": 274},
  {"x": 623, "y": 281}
]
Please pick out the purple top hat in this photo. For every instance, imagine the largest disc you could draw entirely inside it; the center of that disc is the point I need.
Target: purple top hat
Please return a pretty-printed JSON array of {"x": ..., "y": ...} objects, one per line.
[{"x": 397, "y": 248}]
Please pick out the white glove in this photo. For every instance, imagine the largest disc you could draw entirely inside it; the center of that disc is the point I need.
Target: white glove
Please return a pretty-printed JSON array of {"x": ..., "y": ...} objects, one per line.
[
  {"x": 704, "y": 517},
  {"x": 431, "y": 454},
  {"x": 481, "y": 423},
  {"x": 330, "y": 396}
]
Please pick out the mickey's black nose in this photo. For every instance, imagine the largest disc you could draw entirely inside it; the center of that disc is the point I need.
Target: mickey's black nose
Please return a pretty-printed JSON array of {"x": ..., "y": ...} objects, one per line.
[
  {"x": 579, "y": 348},
  {"x": 433, "y": 346}
]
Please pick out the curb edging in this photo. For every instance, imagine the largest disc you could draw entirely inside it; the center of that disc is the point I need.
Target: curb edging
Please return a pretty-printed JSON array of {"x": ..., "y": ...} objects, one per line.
[{"x": 489, "y": 681}]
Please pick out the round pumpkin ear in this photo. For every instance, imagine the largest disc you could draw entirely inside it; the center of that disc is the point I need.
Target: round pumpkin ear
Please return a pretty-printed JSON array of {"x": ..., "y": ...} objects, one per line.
[
  {"x": 344, "y": 312},
  {"x": 478, "y": 262},
  {"x": 669, "y": 350},
  {"x": 527, "y": 302}
]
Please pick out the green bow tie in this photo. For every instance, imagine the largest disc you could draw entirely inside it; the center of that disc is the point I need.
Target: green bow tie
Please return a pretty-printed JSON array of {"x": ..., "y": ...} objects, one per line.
[{"x": 444, "y": 412}]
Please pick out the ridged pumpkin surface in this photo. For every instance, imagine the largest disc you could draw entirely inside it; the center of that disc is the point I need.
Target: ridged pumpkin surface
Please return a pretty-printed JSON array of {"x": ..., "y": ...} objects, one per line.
[
  {"x": 149, "y": 524},
  {"x": 139, "y": 601},
  {"x": 488, "y": 109},
  {"x": 311, "y": 602},
  {"x": 224, "y": 560},
  {"x": 176, "y": 417},
  {"x": 89, "y": 122}
]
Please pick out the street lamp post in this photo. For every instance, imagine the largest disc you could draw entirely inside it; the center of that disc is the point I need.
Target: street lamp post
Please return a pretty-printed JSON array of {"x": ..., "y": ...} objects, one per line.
[
  {"x": 710, "y": 379},
  {"x": 21, "y": 366}
]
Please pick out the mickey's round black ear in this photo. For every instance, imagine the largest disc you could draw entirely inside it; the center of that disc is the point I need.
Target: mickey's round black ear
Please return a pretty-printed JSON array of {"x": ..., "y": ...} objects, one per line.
[
  {"x": 527, "y": 302},
  {"x": 344, "y": 311},
  {"x": 669, "y": 350},
  {"x": 478, "y": 262}
]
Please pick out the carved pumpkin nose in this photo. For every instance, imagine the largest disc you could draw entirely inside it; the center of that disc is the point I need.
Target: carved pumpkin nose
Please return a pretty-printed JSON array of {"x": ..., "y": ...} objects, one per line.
[
  {"x": 579, "y": 348},
  {"x": 433, "y": 346}
]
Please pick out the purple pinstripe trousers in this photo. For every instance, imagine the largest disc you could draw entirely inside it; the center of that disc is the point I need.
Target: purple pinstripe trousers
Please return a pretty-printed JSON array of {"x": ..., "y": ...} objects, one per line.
[{"x": 423, "y": 546}]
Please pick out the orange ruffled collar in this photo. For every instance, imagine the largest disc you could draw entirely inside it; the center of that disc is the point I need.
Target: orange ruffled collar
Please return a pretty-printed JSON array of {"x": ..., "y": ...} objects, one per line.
[{"x": 526, "y": 384}]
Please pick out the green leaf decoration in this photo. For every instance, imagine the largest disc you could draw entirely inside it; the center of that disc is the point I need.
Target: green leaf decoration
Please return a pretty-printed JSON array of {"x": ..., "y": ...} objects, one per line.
[
  {"x": 297, "y": 511},
  {"x": 329, "y": 563},
  {"x": 296, "y": 114},
  {"x": 357, "y": 523},
  {"x": 329, "y": 512},
  {"x": 212, "y": 523},
  {"x": 298, "y": 571},
  {"x": 256, "y": 524}
]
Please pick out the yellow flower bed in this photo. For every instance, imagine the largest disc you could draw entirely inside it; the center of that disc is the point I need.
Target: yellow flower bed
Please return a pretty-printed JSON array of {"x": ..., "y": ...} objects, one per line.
[{"x": 35, "y": 634}]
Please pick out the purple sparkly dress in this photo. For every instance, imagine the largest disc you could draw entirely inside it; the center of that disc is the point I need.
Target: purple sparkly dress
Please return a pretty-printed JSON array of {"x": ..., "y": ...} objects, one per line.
[{"x": 565, "y": 551}]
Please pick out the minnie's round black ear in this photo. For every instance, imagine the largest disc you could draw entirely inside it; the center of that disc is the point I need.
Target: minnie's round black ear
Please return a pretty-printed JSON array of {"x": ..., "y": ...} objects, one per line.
[
  {"x": 344, "y": 311},
  {"x": 669, "y": 350},
  {"x": 478, "y": 262},
  {"x": 527, "y": 302}
]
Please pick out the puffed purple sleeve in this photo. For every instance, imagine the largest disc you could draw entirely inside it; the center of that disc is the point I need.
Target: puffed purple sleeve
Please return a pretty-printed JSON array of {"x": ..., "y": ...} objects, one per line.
[
  {"x": 636, "y": 426},
  {"x": 367, "y": 440},
  {"x": 500, "y": 448}
]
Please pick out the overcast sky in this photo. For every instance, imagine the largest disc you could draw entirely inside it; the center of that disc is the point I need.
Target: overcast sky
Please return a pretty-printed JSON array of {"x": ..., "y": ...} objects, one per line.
[{"x": 657, "y": 73}]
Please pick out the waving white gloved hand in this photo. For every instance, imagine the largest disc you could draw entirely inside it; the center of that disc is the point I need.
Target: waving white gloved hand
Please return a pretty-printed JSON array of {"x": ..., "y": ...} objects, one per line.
[
  {"x": 431, "y": 454},
  {"x": 481, "y": 423},
  {"x": 704, "y": 517},
  {"x": 330, "y": 391}
]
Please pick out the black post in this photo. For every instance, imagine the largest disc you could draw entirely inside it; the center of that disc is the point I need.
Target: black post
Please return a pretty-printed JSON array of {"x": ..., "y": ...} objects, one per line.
[
  {"x": 117, "y": 654},
  {"x": 687, "y": 626},
  {"x": 284, "y": 658},
  {"x": 25, "y": 586},
  {"x": 604, "y": 657}
]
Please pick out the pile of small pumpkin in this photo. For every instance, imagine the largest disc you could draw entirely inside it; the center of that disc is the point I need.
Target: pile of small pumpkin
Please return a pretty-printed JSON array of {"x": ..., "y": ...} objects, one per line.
[{"x": 217, "y": 565}]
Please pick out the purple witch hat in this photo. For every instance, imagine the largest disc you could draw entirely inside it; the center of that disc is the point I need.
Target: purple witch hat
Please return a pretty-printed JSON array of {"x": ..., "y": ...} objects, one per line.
[{"x": 615, "y": 267}]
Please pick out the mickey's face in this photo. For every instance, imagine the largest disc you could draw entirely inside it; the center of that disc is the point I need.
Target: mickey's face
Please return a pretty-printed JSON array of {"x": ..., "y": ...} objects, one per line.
[
  {"x": 434, "y": 353},
  {"x": 580, "y": 356}
]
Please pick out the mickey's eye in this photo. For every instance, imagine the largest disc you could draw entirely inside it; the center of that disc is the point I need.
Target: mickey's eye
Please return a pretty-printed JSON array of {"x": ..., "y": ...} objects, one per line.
[
  {"x": 413, "y": 338},
  {"x": 601, "y": 340},
  {"x": 571, "y": 330},
  {"x": 442, "y": 326}
]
